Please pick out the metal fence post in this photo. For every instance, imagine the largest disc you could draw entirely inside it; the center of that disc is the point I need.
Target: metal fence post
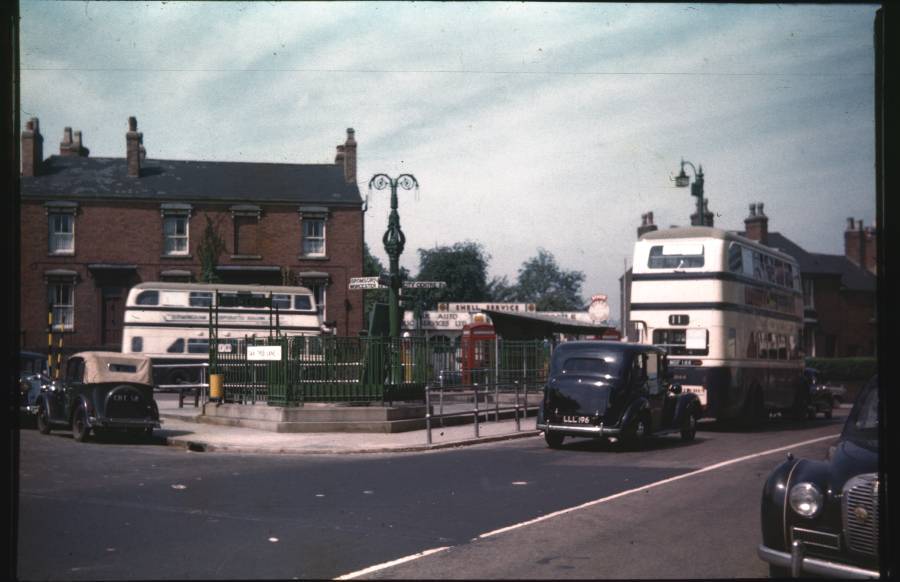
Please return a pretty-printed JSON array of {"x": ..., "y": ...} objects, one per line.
[
  {"x": 496, "y": 379},
  {"x": 441, "y": 397},
  {"x": 428, "y": 414},
  {"x": 516, "y": 386},
  {"x": 475, "y": 389}
]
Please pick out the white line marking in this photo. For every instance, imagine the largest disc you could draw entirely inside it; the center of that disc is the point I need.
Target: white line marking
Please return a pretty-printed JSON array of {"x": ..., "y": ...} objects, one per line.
[
  {"x": 398, "y": 561},
  {"x": 377, "y": 567},
  {"x": 652, "y": 485}
]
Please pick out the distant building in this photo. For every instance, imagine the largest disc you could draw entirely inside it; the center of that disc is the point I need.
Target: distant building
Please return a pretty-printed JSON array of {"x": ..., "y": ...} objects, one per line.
[
  {"x": 839, "y": 298},
  {"x": 94, "y": 227}
]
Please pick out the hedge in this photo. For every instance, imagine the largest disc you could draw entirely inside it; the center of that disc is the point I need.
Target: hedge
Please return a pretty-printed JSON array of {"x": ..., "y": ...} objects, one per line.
[{"x": 845, "y": 368}]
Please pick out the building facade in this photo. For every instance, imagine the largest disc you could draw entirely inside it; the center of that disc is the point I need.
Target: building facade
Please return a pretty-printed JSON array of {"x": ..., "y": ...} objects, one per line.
[
  {"x": 839, "y": 291},
  {"x": 94, "y": 227}
]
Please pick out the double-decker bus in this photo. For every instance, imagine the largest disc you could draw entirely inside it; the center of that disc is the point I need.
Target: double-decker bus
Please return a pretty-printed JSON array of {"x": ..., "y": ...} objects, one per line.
[
  {"x": 169, "y": 322},
  {"x": 728, "y": 310}
]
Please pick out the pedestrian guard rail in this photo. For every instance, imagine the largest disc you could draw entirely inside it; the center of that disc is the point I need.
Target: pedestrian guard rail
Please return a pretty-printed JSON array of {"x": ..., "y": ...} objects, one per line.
[{"x": 371, "y": 369}]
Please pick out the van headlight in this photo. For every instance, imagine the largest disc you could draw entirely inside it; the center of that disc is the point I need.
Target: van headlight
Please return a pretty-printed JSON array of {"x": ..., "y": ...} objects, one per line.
[{"x": 805, "y": 499}]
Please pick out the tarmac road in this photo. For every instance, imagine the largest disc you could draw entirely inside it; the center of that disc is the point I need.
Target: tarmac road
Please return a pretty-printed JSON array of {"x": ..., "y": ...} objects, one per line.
[{"x": 125, "y": 509}]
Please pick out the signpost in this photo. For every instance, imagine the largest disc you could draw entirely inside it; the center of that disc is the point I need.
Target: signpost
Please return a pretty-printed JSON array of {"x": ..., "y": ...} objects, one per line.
[{"x": 383, "y": 282}]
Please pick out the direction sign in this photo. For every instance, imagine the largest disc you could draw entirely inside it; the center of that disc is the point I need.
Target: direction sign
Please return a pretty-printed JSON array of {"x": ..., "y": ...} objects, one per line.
[
  {"x": 365, "y": 283},
  {"x": 424, "y": 284}
]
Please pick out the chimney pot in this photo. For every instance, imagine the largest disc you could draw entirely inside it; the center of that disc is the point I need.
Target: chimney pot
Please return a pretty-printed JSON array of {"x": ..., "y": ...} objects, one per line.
[
  {"x": 753, "y": 209},
  {"x": 133, "y": 149},
  {"x": 759, "y": 208}
]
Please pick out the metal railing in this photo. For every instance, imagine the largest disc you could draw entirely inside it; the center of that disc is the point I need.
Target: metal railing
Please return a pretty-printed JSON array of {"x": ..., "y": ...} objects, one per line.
[
  {"x": 200, "y": 389},
  {"x": 463, "y": 402}
]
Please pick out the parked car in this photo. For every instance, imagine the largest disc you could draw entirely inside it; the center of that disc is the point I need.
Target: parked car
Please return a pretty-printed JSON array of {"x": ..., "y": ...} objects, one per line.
[
  {"x": 821, "y": 398},
  {"x": 612, "y": 389},
  {"x": 100, "y": 391},
  {"x": 821, "y": 517},
  {"x": 33, "y": 376}
]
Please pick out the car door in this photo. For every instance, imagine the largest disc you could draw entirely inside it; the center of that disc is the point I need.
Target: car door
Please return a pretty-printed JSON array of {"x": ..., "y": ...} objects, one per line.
[
  {"x": 656, "y": 393},
  {"x": 73, "y": 384}
]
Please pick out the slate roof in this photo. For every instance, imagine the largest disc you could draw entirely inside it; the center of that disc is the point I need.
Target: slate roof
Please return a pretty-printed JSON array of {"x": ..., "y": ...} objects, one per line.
[
  {"x": 70, "y": 177},
  {"x": 852, "y": 277}
]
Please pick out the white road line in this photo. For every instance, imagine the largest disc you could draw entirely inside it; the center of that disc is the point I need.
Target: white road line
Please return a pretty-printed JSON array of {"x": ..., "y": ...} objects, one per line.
[
  {"x": 377, "y": 567},
  {"x": 385, "y": 565}
]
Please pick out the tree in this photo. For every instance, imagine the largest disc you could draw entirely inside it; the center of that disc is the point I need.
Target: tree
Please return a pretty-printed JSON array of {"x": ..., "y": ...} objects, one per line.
[
  {"x": 542, "y": 282},
  {"x": 462, "y": 266},
  {"x": 211, "y": 246}
]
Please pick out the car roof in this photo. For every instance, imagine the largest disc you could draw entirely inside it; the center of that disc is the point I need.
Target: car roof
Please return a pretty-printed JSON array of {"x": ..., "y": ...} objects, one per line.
[{"x": 97, "y": 368}]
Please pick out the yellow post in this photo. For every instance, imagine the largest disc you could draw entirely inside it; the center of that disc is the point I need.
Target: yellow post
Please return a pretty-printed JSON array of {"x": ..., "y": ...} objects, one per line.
[
  {"x": 50, "y": 343},
  {"x": 216, "y": 386},
  {"x": 58, "y": 355}
]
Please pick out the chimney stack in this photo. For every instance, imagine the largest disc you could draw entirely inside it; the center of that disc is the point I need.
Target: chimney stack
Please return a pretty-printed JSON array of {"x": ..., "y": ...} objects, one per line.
[
  {"x": 756, "y": 226},
  {"x": 134, "y": 147},
  {"x": 346, "y": 154},
  {"x": 860, "y": 245},
  {"x": 32, "y": 148},
  {"x": 646, "y": 225},
  {"x": 72, "y": 147}
]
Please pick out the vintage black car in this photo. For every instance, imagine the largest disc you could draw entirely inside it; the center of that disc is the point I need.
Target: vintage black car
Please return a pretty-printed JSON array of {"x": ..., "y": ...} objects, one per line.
[
  {"x": 100, "y": 391},
  {"x": 613, "y": 389},
  {"x": 821, "y": 398},
  {"x": 33, "y": 376},
  {"x": 821, "y": 517}
]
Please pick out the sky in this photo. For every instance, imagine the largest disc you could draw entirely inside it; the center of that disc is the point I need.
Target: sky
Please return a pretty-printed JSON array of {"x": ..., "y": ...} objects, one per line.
[{"x": 527, "y": 125}]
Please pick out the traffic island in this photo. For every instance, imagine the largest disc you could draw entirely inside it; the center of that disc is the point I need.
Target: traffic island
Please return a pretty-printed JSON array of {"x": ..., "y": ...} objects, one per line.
[{"x": 317, "y": 417}]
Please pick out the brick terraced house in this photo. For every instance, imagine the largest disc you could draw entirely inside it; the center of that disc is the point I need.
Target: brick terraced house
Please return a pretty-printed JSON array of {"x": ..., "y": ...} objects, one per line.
[{"x": 94, "y": 227}]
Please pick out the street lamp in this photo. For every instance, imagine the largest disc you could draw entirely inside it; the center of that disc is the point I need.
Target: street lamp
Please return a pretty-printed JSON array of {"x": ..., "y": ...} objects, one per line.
[
  {"x": 394, "y": 240},
  {"x": 682, "y": 180}
]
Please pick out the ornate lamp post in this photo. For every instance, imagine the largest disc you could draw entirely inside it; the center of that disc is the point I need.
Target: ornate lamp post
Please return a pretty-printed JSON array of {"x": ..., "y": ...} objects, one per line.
[
  {"x": 394, "y": 240},
  {"x": 682, "y": 180}
]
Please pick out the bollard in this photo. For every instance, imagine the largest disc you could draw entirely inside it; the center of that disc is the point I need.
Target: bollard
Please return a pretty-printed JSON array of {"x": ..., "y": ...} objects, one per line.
[
  {"x": 427, "y": 414},
  {"x": 516, "y": 387},
  {"x": 476, "y": 409},
  {"x": 216, "y": 387}
]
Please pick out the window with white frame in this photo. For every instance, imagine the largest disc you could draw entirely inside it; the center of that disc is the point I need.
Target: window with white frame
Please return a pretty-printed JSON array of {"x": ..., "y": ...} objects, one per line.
[
  {"x": 61, "y": 299},
  {"x": 313, "y": 236},
  {"x": 175, "y": 234},
  {"x": 62, "y": 233}
]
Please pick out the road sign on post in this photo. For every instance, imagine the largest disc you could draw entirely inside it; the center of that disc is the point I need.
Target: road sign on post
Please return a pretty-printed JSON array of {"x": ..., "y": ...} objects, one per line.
[
  {"x": 424, "y": 284},
  {"x": 366, "y": 283}
]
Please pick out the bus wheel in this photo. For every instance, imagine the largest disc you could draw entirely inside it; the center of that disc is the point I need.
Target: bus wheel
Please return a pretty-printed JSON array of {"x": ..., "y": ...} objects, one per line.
[{"x": 554, "y": 439}]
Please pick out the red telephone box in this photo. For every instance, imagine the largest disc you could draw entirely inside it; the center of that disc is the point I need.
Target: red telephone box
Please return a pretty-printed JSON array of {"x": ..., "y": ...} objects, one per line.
[{"x": 476, "y": 344}]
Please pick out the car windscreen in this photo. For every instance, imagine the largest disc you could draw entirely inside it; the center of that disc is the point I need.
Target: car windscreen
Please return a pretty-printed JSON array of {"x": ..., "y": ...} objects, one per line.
[
  {"x": 607, "y": 365},
  {"x": 862, "y": 424}
]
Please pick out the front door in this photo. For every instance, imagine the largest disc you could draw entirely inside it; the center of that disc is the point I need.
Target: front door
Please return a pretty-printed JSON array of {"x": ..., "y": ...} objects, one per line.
[{"x": 112, "y": 312}]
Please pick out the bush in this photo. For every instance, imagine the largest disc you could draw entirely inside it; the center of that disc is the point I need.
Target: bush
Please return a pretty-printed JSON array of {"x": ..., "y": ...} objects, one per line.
[{"x": 848, "y": 369}]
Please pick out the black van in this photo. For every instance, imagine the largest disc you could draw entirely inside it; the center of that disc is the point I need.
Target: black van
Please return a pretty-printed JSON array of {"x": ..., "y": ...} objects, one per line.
[{"x": 613, "y": 389}]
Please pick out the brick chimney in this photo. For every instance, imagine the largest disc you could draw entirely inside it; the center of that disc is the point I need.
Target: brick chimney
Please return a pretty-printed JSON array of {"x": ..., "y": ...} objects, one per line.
[
  {"x": 134, "y": 149},
  {"x": 72, "y": 147},
  {"x": 756, "y": 226},
  {"x": 646, "y": 224},
  {"x": 860, "y": 245},
  {"x": 32, "y": 148},
  {"x": 346, "y": 156}
]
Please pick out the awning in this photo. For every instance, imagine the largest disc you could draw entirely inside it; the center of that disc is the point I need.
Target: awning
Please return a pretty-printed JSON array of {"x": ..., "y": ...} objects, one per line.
[
  {"x": 175, "y": 273},
  {"x": 313, "y": 275},
  {"x": 60, "y": 274},
  {"x": 520, "y": 326},
  {"x": 111, "y": 267}
]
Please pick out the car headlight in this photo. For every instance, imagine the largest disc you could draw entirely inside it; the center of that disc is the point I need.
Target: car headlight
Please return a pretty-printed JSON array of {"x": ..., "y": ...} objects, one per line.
[{"x": 805, "y": 499}]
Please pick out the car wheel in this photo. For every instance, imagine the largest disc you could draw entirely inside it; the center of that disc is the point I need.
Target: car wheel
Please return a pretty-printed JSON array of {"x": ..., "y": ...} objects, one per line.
[
  {"x": 80, "y": 428},
  {"x": 554, "y": 439},
  {"x": 689, "y": 427},
  {"x": 43, "y": 423},
  {"x": 148, "y": 433}
]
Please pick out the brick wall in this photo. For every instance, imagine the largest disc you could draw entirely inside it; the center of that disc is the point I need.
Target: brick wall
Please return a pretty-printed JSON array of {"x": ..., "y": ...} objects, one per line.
[
  {"x": 845, "y": 317},
  {"x": 131, "y": 233}
]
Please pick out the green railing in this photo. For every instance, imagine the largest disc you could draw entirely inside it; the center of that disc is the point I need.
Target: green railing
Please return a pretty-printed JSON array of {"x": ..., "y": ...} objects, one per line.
[{"x": 361, "y": 369}]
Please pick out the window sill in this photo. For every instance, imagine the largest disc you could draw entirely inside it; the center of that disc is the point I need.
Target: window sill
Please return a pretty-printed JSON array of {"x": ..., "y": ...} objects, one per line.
[
  {"x": 246, "y": 257},
  {"x": 312, "y": 258},
  {"x": 62, "y": 254},
  {"x": 182, "y": 257}
]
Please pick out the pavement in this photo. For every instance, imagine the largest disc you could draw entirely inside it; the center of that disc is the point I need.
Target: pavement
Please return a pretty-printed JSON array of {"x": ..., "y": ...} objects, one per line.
[{"x": 181, "y": 427}]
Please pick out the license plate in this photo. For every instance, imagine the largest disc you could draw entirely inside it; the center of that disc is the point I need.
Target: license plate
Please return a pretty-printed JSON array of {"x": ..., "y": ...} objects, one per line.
[
  {"x": 700, "y": 391},
  {"x": 577, "y": 419}
]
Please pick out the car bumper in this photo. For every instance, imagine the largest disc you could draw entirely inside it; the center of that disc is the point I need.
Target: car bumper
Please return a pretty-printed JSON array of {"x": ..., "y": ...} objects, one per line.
[
  {"x": 123, "y": 423},
  {"x": 798, "y": 563},
  {"x": 581, "y": 430}
]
